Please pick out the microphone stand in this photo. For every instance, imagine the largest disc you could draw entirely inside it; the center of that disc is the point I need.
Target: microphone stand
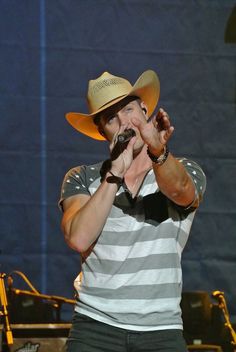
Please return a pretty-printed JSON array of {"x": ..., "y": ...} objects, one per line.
[
  {"x": 223, "y": 307},
  {"x": 4, "y": 311},
  {"x": 58, "y": 299}
]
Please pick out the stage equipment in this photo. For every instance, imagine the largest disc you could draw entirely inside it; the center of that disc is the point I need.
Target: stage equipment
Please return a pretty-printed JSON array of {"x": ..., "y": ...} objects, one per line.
[
  {"x": 196, "y": 311},
  {"x": 52, "y": 302},
  {"x": 219, "y": 296},
  {"x": 206, "y": 348},
  {"x": 4, "y": 311},
  {"x": 32, "y": 306},
  {"x": 201, "y": 319},
  {"x": 38, "y": 338}
]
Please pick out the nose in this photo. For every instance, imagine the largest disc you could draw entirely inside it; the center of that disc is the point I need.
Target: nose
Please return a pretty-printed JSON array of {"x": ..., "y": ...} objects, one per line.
[{"x": 123, "y": 119}]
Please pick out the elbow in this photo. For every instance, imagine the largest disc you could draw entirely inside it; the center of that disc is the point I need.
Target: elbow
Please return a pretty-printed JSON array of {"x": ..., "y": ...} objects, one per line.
[
  {"x": 75, "y": 238},
  {"x": 79, "y": 235},
  {"x": 77, "y": 242}
]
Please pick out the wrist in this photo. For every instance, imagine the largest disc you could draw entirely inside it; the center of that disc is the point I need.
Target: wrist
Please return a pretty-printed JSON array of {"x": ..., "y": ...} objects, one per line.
[
  {"x": 115, "y": 172},
  {"x": 158, "y": 151},
  {"x": 112, "y": 178},
  {"x": 158, "y": 158}
]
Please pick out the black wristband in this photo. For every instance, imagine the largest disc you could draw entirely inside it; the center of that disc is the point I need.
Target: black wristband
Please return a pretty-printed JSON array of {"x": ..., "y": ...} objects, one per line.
[
  {"x": 159, "y": 160},
  {"x": 115, "y": 179}
]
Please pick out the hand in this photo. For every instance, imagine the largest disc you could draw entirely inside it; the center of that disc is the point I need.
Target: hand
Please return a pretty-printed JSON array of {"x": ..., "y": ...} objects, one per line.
[
  {"x": 121, "y": 155},
  {"x": 157, "y": 132}
]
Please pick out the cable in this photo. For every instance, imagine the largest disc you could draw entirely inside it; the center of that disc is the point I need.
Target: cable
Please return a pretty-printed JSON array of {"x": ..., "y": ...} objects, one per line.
[{"x": 27, "y": 281}]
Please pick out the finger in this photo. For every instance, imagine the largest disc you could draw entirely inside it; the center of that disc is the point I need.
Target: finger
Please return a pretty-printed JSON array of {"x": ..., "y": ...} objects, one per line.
[
  {"x": 130, "y": 145},
  {"x": 166, "y": 134},
  {"x": 137, "y": 123},
  {"x": 162, "y": 120},
  {"x": 155, "y": 123},
  {"x": 140, "y": 126}
]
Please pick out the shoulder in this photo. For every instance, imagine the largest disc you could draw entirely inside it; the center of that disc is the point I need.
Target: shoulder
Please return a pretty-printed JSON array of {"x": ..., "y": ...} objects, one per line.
[
  {"x": 83, "y": 172},
  {"x": 197, "y": 174},
  {"x": 193, "y": 168},
  {"x": 78, "y": 180}
]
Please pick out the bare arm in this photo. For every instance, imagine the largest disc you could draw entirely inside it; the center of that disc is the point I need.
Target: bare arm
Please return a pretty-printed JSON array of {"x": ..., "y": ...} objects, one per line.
[
  {"x": 84, "y": 216},
  {"x": 175, "y": 182},
  {"x": 171, "y": 176}
]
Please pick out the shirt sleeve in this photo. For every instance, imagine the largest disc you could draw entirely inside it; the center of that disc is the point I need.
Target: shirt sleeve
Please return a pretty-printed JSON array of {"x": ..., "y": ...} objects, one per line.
[
  {"x": 198, "y": 177},
  {"x": 75, "y": 182}
]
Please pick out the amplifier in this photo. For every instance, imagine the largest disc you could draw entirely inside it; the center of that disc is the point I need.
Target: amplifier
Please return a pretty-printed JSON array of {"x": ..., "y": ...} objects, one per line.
[{"x": 38, "y": 338}]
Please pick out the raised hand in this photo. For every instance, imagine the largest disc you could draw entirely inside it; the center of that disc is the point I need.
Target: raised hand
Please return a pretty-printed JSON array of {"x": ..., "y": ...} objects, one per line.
[{"x": 157, "y": 132}]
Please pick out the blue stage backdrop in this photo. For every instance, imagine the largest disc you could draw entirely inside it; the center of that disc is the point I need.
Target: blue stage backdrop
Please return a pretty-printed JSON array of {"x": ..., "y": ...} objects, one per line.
[{"x": 48, "y": 51}]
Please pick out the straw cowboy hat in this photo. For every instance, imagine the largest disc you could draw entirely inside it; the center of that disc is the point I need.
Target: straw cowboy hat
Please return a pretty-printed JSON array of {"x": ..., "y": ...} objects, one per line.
[{"x": 108, "y": 90}]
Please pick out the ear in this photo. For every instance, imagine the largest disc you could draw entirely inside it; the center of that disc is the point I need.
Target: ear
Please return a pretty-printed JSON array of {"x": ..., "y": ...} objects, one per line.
[{"x": 144, "y": 108}]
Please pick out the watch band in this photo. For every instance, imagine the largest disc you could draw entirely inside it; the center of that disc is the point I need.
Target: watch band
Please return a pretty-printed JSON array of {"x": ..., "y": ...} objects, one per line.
[
  {"x": 159, "y": 160},
  {"x": 114, "y": 179}
]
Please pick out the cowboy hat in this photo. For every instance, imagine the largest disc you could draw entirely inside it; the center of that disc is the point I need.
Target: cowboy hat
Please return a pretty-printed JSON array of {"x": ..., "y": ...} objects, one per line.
[{"x": 108, "y": 90}]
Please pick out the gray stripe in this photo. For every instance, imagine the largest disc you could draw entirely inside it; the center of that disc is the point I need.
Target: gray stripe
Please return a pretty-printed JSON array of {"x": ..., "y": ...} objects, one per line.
[
  {"x": 136, "y": 292},
  {"x": 132, "y": 265},
  {"x": 148, "y": 233},
  {"x": 152, "y": 319}
]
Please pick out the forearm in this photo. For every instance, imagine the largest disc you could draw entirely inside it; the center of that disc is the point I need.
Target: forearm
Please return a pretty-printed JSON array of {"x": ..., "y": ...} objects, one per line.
[
  {"x": 174, "y": 181},
  {"x": 84, "y": 224}
]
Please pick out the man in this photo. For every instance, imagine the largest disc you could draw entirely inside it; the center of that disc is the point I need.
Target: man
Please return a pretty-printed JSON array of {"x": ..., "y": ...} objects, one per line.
[{"x": 129, "y": 218}]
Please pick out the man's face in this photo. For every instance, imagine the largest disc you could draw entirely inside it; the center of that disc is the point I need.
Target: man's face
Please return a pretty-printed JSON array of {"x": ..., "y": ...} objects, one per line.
[{"x": 118, "y": 118}]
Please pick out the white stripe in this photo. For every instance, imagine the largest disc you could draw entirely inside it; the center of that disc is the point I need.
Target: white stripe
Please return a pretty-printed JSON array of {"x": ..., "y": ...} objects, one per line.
[
  {"x": 142, "y": 306},
  {"x": 138, "y": 250},
  {"x": 143, "y": 277},
  {"x": 129, "y": 223}
]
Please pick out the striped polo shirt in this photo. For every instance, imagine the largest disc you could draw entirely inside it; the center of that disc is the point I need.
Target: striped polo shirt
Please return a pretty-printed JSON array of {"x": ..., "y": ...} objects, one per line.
[{"x": 132, "y": 277}]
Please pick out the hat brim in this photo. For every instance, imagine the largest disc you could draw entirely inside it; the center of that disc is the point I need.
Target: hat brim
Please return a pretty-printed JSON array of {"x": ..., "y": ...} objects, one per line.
[{"x": 147, "y": 88}]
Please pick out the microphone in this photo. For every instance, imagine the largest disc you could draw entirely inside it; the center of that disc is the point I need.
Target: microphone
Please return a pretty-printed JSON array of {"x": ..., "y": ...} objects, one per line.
[
  {"x": 126, "y": 135},
  {"x": 217, "y": 294}
]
